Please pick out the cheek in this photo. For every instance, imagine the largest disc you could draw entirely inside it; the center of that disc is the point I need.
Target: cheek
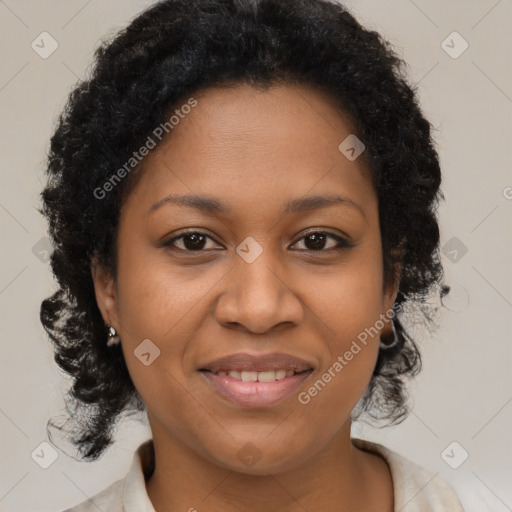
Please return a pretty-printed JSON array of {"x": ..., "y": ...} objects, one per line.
[
  {"x": 155, "y": 296},
  {"x": 349, "y": 304},
  {"x": 349, "y": 299},
  {"x": 157, "y": 302},
  {"x": 351, "y": 307}
]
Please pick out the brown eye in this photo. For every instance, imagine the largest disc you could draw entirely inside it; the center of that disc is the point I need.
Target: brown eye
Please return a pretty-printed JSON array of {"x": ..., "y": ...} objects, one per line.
[
  {"x": 192, "y": 241},
  {"x": 319, "y": 241}
]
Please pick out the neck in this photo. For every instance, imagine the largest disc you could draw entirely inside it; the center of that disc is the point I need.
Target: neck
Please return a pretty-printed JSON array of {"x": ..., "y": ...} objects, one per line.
[{"x": 339, "y": 477}]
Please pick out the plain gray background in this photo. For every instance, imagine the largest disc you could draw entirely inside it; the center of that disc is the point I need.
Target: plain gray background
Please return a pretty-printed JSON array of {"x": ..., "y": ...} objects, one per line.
[{"x": 464, "y": 393}]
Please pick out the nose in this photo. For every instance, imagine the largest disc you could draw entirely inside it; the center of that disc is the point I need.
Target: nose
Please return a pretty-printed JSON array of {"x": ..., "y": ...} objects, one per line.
[{"x": 257, "y": 298}]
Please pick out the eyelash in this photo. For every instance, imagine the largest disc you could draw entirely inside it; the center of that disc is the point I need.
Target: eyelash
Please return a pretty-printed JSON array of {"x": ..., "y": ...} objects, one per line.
[{"x": 342, "y": 243}]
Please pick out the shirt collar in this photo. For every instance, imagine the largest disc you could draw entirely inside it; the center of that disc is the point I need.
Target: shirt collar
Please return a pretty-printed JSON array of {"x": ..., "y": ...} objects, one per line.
[{"x": 135, "y": 496}]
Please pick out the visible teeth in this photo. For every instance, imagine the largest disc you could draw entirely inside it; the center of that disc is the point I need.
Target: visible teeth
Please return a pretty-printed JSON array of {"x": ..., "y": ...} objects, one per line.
[
  {"x": 249, "y": 376},
  {"x": 280, "y": 374},
  {"x": 268, "y": 376}
]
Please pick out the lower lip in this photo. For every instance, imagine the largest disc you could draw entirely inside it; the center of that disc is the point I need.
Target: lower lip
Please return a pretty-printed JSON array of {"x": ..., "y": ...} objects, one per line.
[{"x": 255, "y": 394}]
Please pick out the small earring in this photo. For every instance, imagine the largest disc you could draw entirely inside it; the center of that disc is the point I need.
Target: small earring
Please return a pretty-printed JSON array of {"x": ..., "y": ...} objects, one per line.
[
  {"x": 390, "y": 341},
  {"x": 113, "y": 338}
]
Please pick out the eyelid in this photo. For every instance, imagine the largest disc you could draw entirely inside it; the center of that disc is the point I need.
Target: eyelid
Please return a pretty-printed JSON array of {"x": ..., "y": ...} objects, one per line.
[
  {"x": 188, "y": 231},
  {"x": 344, "y": 241}
]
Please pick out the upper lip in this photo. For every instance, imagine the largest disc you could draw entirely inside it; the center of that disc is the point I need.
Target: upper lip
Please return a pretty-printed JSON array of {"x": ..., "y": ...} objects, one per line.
[{"x": 257, "y": 363}]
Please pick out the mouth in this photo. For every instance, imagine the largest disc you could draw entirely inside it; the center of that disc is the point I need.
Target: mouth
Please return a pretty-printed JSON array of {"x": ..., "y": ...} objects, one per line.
[
  {"x": 252, "y": 376},
  {"x": 256, "y": 381}
]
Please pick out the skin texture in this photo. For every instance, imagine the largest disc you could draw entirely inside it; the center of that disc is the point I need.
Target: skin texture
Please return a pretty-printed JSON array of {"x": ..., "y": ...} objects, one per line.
[{"x": 254, "y": 150}]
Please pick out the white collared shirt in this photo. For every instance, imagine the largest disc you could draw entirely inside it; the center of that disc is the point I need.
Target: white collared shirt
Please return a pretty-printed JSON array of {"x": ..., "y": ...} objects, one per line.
[{"x": 415, "y": 488}]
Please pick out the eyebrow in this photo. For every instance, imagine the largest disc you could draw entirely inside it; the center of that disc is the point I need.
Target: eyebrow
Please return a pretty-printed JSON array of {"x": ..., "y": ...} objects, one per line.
[{"x": 211, "y": 205}]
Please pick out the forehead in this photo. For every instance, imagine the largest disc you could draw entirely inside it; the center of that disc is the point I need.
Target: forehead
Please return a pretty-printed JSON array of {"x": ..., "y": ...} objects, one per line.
[
  {"x": 256, "y": 145},
  {"x": 239, "y": 115}
]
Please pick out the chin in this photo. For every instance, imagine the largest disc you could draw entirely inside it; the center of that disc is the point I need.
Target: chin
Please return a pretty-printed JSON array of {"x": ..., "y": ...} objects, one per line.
[{"x": 261, "y": 457}]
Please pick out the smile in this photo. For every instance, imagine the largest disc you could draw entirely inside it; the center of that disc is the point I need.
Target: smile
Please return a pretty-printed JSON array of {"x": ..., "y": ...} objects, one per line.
[
  {"x": 256, "y": 389},
  {"x": 268, "y": 376}
]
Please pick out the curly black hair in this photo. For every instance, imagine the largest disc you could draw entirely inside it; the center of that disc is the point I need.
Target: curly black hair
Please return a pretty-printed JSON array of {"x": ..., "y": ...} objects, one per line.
[{"x": 168, "y": 52}]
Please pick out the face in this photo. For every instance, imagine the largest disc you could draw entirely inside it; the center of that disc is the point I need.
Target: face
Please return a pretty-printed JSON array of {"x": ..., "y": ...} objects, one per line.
[{"x": 242, "y": 315}]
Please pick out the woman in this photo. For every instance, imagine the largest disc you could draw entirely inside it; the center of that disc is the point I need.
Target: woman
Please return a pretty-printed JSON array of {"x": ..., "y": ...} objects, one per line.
[{"x": 242, "y": 199}]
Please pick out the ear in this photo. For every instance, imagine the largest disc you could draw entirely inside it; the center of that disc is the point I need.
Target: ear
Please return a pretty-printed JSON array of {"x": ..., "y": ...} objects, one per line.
[
  {"x": 389, "y": 297},
  {"x": 105, "y": 291},
  {"x": 391, "y": 287},
  {"x": 390, "y": 293}
]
